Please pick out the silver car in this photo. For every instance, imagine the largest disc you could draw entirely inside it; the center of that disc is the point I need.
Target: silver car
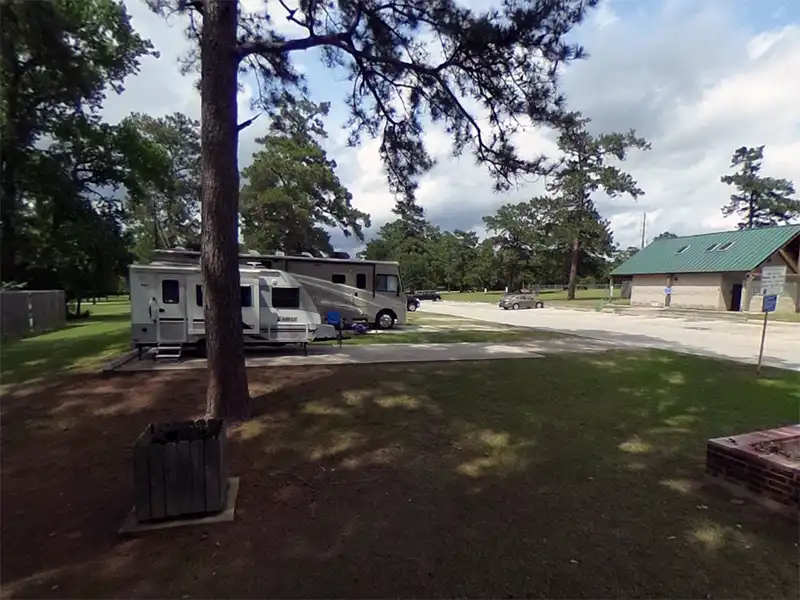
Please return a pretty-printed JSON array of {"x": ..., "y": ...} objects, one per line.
[{"x": 517, "y": 301}]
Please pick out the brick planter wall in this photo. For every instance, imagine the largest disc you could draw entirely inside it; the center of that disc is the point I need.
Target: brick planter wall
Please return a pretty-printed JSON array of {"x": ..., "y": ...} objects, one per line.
[{"x": 773, "y": 478}]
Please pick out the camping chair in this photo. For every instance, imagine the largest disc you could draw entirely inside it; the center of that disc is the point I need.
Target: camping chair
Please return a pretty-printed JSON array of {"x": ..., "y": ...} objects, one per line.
[{"x": 335, "y": 319}]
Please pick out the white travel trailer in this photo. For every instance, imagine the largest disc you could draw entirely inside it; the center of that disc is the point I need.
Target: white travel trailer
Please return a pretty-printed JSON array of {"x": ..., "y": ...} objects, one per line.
[
  {"x": 167, "y": 309},
  {"x": 359, "y": 290}
]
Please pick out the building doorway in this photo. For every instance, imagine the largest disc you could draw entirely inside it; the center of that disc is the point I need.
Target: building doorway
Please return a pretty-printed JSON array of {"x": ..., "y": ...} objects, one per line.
[{"x": 736, "y": 297}]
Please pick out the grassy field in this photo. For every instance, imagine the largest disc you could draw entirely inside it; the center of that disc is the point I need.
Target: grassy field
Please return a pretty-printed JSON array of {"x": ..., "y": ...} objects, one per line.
[
  {"x": 82, "y": 345},
  {"x": 570, "y": 476},
  {"x": 582, "y": 297}
]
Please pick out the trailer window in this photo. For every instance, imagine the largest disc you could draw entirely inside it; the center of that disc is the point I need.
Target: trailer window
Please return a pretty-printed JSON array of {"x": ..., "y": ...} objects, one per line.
[
  {"x": 387, "y": 283},
  {"x": 170, "y": 291},
  {"x": 247, "y": 296},
  {"x": 338, "y": 278},
  {"x": 198, "y": 295},
  {"x": 361, "y": 281},
  {"x": 286, "y": 297}
]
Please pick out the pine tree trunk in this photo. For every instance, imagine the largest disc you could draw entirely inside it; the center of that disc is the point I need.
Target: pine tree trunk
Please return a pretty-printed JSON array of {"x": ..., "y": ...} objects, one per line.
[
  {"x": 8, "y": 245},
  {"x": 227, "y": 395},
  {"x": 573, "y": 269}
]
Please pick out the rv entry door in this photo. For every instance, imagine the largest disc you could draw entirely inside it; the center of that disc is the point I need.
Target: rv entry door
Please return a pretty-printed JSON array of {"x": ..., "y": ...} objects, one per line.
[
  {"x": 251, "y": 321},
  {"x": 170, "y": 307}
]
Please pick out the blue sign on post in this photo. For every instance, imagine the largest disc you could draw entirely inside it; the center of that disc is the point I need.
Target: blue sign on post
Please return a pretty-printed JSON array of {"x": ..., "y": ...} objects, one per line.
[{"x": 769, "y": 304}]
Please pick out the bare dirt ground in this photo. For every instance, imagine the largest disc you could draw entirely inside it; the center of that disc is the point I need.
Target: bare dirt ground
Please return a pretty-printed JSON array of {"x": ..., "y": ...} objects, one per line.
[{"x": 495, "y": 478}]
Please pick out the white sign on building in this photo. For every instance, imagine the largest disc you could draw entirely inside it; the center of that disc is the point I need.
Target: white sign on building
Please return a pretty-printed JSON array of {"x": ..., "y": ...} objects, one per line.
[{"x": 772, "y": 280}]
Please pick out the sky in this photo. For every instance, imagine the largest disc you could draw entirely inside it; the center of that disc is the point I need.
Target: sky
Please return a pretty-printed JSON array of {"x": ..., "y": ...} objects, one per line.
[{"x": 697, "y": 79}]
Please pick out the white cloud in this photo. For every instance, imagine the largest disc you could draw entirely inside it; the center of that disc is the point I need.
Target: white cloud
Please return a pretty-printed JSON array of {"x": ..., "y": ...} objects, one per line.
[{"x": 694, "y": 79}]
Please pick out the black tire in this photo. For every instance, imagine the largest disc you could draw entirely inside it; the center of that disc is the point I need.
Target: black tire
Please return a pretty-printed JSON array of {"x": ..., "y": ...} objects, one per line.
[
  {"x": 201, "y": 349},
  {"x": 385, "y": 320},
  {"x": 505, "y": 308},
  {"x": 412, "y": 306},
  {"x": 540, "y": 305},
  {"x": 515, "y": 306}
]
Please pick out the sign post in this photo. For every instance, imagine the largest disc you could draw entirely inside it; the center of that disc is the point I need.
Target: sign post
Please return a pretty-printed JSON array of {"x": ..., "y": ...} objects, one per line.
[
  {"x": 768, "y": 305},
  {"x": 772, "y": 281}
]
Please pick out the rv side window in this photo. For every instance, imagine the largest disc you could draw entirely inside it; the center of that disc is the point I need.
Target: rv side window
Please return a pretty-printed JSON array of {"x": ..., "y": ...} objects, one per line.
[
  {"x": 198, "y": 295},
  {"x": 286, "y": 297},
  {"x": 247, "y": 296},
  {"x": 338, "y": 278},
  {"x": 386, "y": 283},
  {"x": 361, "y": 281},
  {"x": 170, "y": 291}
]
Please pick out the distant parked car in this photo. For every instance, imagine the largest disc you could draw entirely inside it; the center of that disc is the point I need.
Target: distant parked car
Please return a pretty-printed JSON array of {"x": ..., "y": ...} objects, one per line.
[
  {"x": 517, "y": 301},
  {"x": 428, "y": 295},
  {"x": 413, "y": 303}
]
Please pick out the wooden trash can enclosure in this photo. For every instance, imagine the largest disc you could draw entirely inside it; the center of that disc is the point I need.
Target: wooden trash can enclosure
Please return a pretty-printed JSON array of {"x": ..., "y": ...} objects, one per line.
[{"x": 180, "y": 469}]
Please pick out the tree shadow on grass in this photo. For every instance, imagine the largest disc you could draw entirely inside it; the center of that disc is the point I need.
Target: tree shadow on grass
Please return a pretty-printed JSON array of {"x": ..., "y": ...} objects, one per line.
[{"x": 570, "y": 476}]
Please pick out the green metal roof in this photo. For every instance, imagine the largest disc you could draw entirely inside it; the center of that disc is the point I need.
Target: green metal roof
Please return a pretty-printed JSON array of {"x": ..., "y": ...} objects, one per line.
[{"x": 693, "y": 254}]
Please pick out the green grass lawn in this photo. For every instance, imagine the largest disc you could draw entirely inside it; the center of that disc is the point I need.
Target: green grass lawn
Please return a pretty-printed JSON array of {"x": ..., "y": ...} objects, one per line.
[
  {"x": 582, "y": 297},
  {"x": 81, "y": 345},
  {"x": 570, "y": 476}
]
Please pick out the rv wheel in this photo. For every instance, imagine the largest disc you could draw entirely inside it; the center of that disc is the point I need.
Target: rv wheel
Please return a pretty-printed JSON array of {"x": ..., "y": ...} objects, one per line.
[
  {"x": 412, "y": 306},
  {"x": 200, "y": 348},
  {"x": 385, "y": 320}
]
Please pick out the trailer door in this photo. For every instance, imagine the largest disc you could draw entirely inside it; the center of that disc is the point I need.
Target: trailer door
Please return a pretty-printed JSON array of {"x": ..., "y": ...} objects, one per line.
[
  {"x": 250, "y": 306},
  {"x": 170, "y": 309}
]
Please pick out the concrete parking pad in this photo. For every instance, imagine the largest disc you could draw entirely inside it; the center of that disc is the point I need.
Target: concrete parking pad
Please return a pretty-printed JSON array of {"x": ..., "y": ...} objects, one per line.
[
  {"x": 714, "y": 338},
  {"x": 390, "y": 353}
]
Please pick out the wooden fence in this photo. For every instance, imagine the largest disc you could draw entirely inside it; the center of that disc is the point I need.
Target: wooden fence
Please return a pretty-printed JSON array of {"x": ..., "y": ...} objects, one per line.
[{"x": 24, "y": 313}]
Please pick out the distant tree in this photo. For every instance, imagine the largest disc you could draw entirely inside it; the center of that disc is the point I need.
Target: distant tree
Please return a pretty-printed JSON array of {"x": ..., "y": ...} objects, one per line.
[
  {"x": 292, "y": 192},
  {"x": 455, "y": 255},
  {"x": 560, "y": 224},
  {"x": 620, "y": 255},
  {"x": 58, "y": 60},
  {"x": 486, "y": 270},
  {"x": 759, "y": 201},
  {"x": 419, "y": 255},
  {"x": 165, "y": 211},
  {"x": 515, "y": 231},
  {"x": 585, "y": 169},
  {"x": 665, "y": 236}
]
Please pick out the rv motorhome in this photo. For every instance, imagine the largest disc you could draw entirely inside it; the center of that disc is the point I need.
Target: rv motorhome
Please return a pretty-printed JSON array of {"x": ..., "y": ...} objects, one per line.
[
  {"x": 359, "y": 290},
  {"x": 167, "y": 309}
]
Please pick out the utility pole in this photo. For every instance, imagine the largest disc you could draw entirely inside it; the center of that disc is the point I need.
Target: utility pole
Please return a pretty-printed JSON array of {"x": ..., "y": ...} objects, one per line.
[{"x": 644, "y": 227}]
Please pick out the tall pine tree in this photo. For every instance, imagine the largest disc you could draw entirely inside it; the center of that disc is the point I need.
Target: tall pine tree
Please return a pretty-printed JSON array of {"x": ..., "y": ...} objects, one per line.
[{"x": 760, "y": 201}]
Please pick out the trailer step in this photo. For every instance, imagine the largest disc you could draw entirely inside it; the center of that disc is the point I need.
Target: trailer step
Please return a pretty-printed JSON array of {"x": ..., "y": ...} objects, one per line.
[{"x": 169, "y": 351}]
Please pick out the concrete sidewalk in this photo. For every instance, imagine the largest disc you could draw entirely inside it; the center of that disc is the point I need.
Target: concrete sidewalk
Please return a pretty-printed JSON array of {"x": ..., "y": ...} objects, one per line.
[{"x": 391, "y": 353}]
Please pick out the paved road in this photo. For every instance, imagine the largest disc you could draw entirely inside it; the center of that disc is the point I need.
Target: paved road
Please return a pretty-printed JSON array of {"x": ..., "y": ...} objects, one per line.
[{"x": 721, "y": 339}]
